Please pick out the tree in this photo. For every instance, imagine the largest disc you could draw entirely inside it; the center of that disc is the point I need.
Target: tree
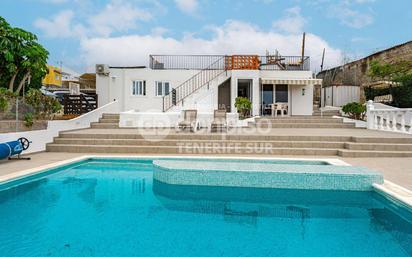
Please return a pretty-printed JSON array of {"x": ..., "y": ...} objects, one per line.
[
  {"x": 401, "y": 72},
  {"x": 21, "y": 57},
  {"x": 398, "y": 71}
]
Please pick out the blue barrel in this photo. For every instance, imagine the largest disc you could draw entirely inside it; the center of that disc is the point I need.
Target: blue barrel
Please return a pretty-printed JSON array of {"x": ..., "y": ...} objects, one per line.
[{"x": 9, "y": 149}]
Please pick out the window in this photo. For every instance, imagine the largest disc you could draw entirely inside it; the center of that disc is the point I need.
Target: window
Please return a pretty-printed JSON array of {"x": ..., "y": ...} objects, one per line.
[
  {"x": 281, "y": 93},
  {"x": 139, "y": 87},
  {"x": 162, "y": 88}
]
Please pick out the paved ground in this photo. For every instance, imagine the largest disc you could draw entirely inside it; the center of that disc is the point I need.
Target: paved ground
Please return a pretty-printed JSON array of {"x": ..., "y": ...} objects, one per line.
[{"x": 397, "y": 170}]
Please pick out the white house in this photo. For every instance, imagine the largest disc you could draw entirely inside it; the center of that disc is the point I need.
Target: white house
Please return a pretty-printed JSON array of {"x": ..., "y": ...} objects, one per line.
[{"x": 173, "y": 83}]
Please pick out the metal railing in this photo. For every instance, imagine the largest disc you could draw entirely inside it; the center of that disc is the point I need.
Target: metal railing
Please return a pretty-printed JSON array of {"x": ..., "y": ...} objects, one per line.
[
  {"x": 232, "y": 62},
  {"x": 193, "y": 84},
  {"x": 278, "y": 62},
  {"x": 182, "y": 62}
]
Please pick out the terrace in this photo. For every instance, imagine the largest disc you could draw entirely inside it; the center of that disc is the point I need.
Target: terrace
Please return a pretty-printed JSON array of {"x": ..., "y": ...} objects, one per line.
[{"x": 229, "y": 62}]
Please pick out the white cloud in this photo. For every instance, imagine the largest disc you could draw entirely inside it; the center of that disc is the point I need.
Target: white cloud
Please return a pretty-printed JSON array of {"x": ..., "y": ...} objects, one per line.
[
  {"x": 234, "y": 37},
  {"x": 350, "y": 17},
  {"x": 187, "y": 6},
  {"x": 292, "y": 21},
  {"x": 60, "y": 25},
  {"x": 117, "y": 16}
]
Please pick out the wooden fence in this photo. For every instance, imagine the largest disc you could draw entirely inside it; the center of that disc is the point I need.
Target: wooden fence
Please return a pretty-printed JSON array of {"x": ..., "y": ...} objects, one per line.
[{"x": 79, "y": 104}]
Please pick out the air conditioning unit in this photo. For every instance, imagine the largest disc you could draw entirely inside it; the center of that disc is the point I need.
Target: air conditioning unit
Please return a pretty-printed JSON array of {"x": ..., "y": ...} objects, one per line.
[{"x": 102, "y": 69}]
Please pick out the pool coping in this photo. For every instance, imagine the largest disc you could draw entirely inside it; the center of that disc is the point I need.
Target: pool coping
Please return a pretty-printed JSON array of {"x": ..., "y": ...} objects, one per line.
[{"x": 388, "y": 189}]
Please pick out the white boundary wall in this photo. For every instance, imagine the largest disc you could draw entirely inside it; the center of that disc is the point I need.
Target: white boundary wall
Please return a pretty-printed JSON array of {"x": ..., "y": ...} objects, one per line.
[
  {"x": 40, "y": 138},
  {"x": 132, "y": 119},
  {"x": 388, "y": 118}
]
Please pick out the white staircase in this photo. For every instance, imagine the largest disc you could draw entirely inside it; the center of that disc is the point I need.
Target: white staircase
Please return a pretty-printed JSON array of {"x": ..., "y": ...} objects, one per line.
[{"x": 198, "y": 92}]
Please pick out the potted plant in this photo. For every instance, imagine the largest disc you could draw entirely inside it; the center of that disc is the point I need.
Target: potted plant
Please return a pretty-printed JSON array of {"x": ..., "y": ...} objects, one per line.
[{"x": 243, "y": 106}]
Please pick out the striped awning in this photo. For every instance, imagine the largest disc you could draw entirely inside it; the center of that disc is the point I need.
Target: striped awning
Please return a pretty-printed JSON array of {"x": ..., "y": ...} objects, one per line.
[{"x": 293, "y": 81}]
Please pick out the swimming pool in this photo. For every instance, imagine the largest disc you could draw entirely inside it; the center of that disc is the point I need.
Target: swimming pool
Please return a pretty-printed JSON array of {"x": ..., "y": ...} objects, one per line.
[{"x": 115, "y": 208}]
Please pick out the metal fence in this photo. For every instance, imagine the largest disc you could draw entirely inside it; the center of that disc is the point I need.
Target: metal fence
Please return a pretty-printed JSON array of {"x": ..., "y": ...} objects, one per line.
[
  {"x": 17, "y": 115},
  {"x": 200, "y": 62},
  {"x": 182, "y": 62}
]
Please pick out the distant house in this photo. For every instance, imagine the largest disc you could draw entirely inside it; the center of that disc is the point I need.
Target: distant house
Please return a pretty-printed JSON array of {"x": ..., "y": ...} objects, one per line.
[
  {"x": 347, "y": 83},
  {"x": 64, "y": 78},
  {"x": 53, "y": 78}
]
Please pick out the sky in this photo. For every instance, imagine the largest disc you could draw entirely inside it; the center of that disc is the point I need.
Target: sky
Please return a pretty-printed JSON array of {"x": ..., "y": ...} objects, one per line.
[{"x": 82, "y": 33}]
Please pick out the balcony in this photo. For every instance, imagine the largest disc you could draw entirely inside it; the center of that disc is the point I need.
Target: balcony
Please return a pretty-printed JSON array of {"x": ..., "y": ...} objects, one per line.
[{"x": 231, "y": 62}]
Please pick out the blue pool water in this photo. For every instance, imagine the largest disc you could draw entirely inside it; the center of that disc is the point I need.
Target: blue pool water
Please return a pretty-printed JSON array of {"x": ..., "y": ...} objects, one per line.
[{"x": 115, "y": 208}]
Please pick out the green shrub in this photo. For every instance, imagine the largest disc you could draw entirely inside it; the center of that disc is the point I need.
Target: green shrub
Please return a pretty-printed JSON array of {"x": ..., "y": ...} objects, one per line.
[
  {"x": 4, "y": 104},
  {"x": 35, "y": 99},
  {"x": 355, "y": 110},
  {"x": 28, "y": 119},
  {"x": 43, "y": 106},
  {"x": 4, "y": 92},
  {"x": 243, "y": 105}
]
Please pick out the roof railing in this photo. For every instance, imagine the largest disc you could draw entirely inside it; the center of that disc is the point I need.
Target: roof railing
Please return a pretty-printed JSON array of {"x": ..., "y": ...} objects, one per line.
[{"x": 232, "y": 62}]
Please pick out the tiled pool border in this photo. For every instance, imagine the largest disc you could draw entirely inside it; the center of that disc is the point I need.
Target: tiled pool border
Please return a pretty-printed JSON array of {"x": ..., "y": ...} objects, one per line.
[{"x": 393, "y": 192}]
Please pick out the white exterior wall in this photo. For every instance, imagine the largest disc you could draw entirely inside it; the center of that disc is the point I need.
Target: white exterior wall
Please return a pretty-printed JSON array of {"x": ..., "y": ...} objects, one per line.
[
  {"x": 118, "y": 86},
  {"x": 301, "y": 99}
]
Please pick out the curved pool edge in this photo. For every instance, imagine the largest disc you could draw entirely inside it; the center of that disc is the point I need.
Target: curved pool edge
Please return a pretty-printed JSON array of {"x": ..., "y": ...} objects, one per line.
[{"x": 395, "y": 193}]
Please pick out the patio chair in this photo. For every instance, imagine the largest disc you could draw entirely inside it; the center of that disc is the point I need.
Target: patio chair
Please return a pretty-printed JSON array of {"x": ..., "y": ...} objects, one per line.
[
  {"x": 189, "y": 121},
  {"x": 219, "y": 122},
  {"x": 279, "y": 107}
]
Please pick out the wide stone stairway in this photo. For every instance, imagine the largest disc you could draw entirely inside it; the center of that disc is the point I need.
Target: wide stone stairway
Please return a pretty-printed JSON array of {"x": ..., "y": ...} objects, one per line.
[{"x": 308, "y": 136}]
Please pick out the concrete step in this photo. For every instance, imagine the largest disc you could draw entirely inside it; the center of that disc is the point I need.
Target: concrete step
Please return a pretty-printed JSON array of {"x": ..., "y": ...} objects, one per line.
[
  {"x": 325, "y": 114},
  {"x": 111, "y": 115},
  {"x": 378, "y": 147},
  {"x": 305, "y": 125},
  {"x": 52, "y": 147},
  {"x": 201, "y": 143},
  {"x": 299, "y": 120},
  {"x": 191, "y": 136},
  {"x": 383, "y": 140},
  {"x": 106, "y": 120},
  {"x": 104, "y": 125},
  {"x": 373, "y": 154}
]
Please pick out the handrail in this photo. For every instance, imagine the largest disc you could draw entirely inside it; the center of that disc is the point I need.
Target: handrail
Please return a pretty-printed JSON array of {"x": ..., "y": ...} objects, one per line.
[
  {"x": 200, "y": 62},
  {"x": 194, "y": 83}
]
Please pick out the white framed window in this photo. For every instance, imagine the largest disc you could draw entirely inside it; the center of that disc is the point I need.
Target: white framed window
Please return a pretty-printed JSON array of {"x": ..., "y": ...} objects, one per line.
[
  {"x": 162, "y": 88},
  {"x": 139, "y": 87}
]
